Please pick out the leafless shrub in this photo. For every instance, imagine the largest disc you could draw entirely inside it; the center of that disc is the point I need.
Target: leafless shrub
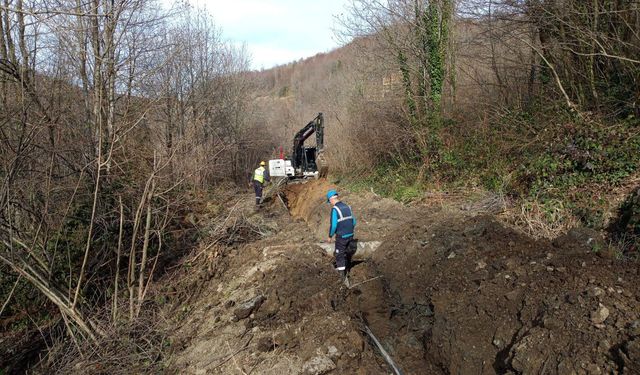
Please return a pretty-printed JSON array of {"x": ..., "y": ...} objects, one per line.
[
  {"x": 137, "y": 346},
  {"x": 111, "y": 113}
]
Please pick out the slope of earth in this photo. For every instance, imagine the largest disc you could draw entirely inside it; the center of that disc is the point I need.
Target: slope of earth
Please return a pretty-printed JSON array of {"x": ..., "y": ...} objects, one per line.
[
  {"x": 447, "y": 292},
  {"x": 483, "y": 299}
]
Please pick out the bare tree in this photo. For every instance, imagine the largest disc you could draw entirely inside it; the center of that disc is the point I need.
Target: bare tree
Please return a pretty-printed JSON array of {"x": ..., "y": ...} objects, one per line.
[
  {"x": 99, "y": 102},
  {"x": 414, "y": 39}
]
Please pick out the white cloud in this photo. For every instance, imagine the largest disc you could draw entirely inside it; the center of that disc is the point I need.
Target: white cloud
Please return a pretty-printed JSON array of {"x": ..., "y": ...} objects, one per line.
[
  {"x": 277, "y": 31},
  {"x": 240, "y": 11},
  {"x": 274, "y": 55}
]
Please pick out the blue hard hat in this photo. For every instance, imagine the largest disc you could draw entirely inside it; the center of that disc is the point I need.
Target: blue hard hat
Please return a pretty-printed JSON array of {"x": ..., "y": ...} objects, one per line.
[{"x": 331, "y": 193}]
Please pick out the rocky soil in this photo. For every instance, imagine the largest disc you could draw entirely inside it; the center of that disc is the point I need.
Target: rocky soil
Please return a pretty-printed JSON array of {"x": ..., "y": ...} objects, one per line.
[{"x": 449, "y": 291}]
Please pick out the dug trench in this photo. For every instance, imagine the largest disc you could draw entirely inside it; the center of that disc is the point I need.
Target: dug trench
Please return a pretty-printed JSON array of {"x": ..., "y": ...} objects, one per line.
[{"x": 447, "y": 291}]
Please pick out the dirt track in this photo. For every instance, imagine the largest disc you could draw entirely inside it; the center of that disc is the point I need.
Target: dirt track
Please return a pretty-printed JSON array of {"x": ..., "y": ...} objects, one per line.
[{"x": 446, "y": 293}]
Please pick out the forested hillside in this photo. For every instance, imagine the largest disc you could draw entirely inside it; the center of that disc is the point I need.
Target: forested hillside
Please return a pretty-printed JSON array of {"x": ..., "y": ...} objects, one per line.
[
  {"x": 128, "y": 131},
  {"x": 537, "y": 100}
]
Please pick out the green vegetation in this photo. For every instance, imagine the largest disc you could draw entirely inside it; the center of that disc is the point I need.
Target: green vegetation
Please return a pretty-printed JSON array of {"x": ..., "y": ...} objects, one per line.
[
  {"x": 394, "y": 180},
  {"x": 435, "y": 31},
  {"x": 626, "y": 228},
  {"x": 284, "y": 91},
  {"x": 562, "y": 166},
  {"x": 408, "y": 91},
  {"x": 548, "y": 114}
]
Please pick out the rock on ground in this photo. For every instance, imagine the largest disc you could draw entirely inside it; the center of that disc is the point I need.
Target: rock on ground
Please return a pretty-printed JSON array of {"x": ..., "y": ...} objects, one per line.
[{"x": 318, "y": 365}]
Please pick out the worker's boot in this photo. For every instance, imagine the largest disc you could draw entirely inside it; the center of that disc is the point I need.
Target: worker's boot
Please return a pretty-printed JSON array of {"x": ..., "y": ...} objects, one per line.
[{"x": 344, "y": 277}]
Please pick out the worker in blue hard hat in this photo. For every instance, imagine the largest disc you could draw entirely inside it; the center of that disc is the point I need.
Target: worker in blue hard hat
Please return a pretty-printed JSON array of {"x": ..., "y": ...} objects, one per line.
[{"x": 342, "y": 226}]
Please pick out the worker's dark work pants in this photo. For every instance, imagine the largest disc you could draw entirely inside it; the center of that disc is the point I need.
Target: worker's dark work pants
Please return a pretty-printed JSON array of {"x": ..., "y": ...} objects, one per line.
[
  {"x": 343, "y": 253},
  {"x": 257, "y": 186}
]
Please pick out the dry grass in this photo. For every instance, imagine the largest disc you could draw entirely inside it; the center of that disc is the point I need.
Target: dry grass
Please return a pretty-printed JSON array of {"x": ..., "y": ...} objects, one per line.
[
  {"x": 540, "y": 221},
  {"x": 142, "y": 345},
  {"x": 130, "y": 347}
]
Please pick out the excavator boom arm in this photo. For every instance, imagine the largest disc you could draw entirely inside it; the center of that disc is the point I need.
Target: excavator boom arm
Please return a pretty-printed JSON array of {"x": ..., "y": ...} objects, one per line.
[{"x": 314, "y": 126}]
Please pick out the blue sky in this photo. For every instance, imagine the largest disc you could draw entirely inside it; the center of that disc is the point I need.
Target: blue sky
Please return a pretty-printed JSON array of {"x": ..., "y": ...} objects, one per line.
[{"x": 277, "y": 31}]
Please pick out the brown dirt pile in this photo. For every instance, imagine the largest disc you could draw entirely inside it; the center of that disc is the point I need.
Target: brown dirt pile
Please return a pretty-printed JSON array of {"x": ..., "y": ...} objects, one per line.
[
  {"x": 481, "y": 298},
  {"x": 304, "y": 198},
  {"x": 272, "y": 310},
  {"x": 446, "y": 293},
  {"x": 375, "y": 215}
]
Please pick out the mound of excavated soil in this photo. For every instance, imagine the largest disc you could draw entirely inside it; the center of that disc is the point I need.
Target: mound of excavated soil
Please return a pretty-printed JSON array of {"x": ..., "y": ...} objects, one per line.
[
  {"x": 445, "y": 293},
  {"x": 481, "y": 298},
  {"x": 375, "y": 215},
  {"x": 273, "y": 310},
  {"x": 305, "y": 198}
]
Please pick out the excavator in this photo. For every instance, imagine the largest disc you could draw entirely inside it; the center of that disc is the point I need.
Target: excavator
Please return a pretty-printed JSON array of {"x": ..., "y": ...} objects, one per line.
[{"x": 306, "y": 162}]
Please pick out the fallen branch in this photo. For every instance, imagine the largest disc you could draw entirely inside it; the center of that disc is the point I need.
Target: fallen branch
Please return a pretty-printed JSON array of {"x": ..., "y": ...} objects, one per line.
[
  {"x": 274, "y": 188},
  {"x": 364, "y": 282},
  {"x": 6, "y": 302},
  {"x": 283, "y": 204},
  {"x": 243, "y": 347},
  {"x": 233, "y": 356},
  {"x": 384, "y": 353},
  {"x": 570, "y": 104}
]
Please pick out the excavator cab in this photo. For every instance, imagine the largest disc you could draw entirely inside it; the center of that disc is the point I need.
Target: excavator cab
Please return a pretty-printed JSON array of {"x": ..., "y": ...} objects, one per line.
[{"x": 309, "y": 161}]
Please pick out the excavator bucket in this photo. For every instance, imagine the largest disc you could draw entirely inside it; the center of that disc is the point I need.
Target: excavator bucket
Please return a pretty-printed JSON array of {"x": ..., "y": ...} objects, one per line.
[{"x": 323, "y": 165}]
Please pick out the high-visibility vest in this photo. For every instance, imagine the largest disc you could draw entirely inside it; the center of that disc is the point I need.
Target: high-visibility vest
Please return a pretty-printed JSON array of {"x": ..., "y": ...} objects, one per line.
[
  {"x": 345, "y": 225},
  {"x": 258, "y": 175}
]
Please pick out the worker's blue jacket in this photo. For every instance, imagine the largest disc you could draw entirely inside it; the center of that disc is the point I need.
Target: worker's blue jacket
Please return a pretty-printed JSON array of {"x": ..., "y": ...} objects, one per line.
[{"x": 343, "y": 222}]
